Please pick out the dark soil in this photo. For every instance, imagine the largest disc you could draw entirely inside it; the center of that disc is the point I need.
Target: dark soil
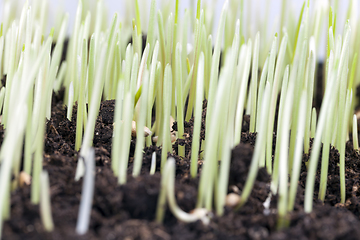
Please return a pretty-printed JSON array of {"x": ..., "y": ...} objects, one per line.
[{"x": 128, "y": 211}]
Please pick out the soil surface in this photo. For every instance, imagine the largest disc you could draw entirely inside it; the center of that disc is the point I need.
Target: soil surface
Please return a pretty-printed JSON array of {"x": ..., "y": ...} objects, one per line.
[{"x": 128, "y": 211}]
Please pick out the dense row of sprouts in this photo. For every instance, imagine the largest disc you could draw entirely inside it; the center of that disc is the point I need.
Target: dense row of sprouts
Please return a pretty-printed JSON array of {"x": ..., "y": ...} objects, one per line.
[{"x": 179, "y": 66}]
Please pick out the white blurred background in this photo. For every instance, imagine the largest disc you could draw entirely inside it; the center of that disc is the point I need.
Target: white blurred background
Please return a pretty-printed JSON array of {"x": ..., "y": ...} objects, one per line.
[{"x": 265, "y": 14}]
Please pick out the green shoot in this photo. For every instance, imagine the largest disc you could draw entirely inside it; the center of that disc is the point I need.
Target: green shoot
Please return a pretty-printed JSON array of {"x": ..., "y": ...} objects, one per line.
[
  {"x": 93, "y": 112},
  {"x": 169, "y": 39},
  {"x": 161, "y": 202},
  {"x": 355, "y": 134},
  {"x": 331, "y": 25},
  {"x": 125, "y": 126},
  {"x": 161, "y": 36},
  {"x": 342, "y": 146},
  {"x": 283, "y": 158},
  {"x": 260, "y": 95},
  {"x": 298, "y": 151},
  {"x": 352, "y": 83},
  {"x": 140, "y": 124},
  {"x": 91, "y": 69},
  {"x": 208, "y": 57},
  {"x": 153, "y": 163},
  {"x": 174, "y": 42},
  {"x": 129, "y": 58},
  {"x": 197, "y": 214},
  {"x": 325, "y": 153},
  {"x": 2, "y": 96},
  {"x": 179, "y": 99},
  {"x": 10, "y": 75},
  {"x": 81, "y": 100},
  {"x": 109, "y": 66},
  {"x": 260, "y": 144},
  {"x": 39, "y": 138},
  {"x": 60, "y": 77},
  {"x": 117, "y": 64},
  {"x": 198, "y": 9},
  {"x": 70, "y": 101},
  {"x": 224, "y": 173},
  {"x": 274, "y": 94},
  {"x": 28, "y": 134},
  {"x": 72, "y": 53},
  {"x": 151, "y": 94},
  {"x": 115, "y": 151},
  {"x": 137, "y": 17},
  {"x": 310, "y": 77},
  {"x": 125, "y": 129},
  {"x": 209, "y": 170},
  {"x": 342, "y": 77},
  {"x": 1, "y": 55},
  {"x": 166, "y": 115},
  {"x": 188, "y": 83},
  {"x": 352, "y": 72},
  {"x": 136, "y": 40},
  {"x": 242, "y": 95},
  {"x": 254, "y": 80},
  {"x": 98, "y": 22},
  {"x": 141, "y": 72},
  {"x": 313, "y": 123},
  {"x": 159, "y": 103},
  {"x": 331, "y": 87},
  {"x": 45, "y": 205},
  {"x": 235, "y": 86},
  {"x": 297, "y": 31},
  {"x": 83, "y": 222},
  {"x": 301, "y": 64},
  {"x": 275, "y": 173}
]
